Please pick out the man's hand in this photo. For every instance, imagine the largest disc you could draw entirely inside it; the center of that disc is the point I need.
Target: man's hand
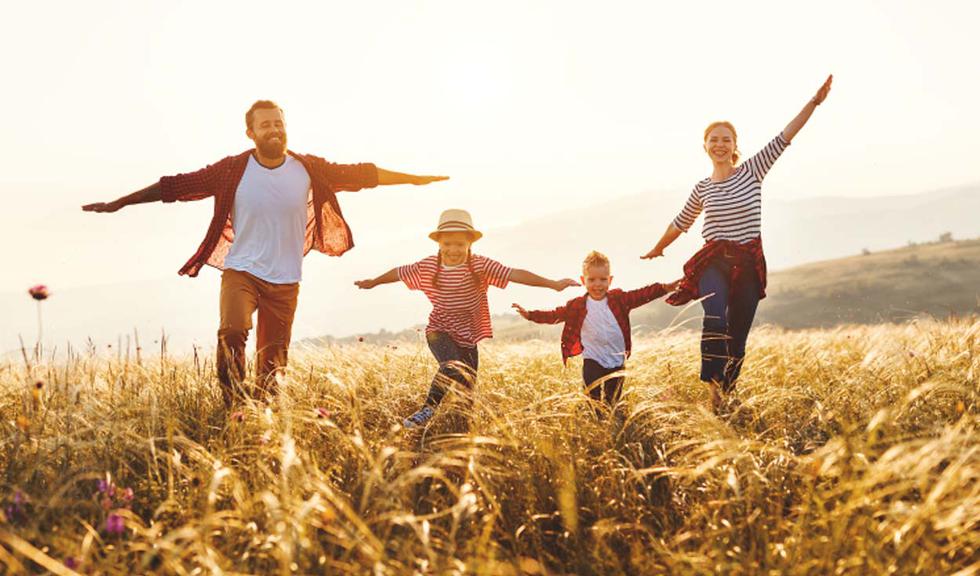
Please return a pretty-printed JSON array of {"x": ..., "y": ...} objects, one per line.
[
  {"x": 655, "y": 253},
  {"x": 559, "y": 285},
  {"x": 520, "y": 310},
  {"x": 422, "y": 180},
  {"x": 388, "y": 177},
  {"x": 102, "y": 207},
  {"x": 365, "y": 284},
  {"x": 673, "y": 285}
]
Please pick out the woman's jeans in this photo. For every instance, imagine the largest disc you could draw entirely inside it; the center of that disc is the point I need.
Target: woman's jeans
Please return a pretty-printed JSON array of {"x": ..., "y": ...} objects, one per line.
[
  {"x": 728, "y": 315},
  {"x": 457, "y": 364}
]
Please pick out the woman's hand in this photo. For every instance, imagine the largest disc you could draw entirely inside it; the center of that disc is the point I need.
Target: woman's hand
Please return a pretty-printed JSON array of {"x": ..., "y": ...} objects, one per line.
[
  {"x": 673, "y": 285},
  {"x": 821, "y": 94},
  {"x": 559, "y": 285},
  {"x": 520, "y": 310},
  {"x": 796, "y": 124},
  {"x": 365, "y": 284},
  {"x": 657, "y": 252}
]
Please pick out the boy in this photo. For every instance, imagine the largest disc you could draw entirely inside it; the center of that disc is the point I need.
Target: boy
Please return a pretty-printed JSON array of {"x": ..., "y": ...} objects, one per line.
[{"x": 597, "y": 325}]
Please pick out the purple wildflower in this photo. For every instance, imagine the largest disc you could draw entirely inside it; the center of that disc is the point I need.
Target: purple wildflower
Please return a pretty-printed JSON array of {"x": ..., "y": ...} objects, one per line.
[
  {"x": 114, "y": 524},
  {"x": 17, "y": 512},
  {"x": 39, "y": 292}
]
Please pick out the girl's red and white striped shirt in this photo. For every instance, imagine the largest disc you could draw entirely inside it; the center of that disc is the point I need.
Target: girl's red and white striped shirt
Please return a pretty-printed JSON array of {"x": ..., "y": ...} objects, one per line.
[{"x": 459, "y": 302}]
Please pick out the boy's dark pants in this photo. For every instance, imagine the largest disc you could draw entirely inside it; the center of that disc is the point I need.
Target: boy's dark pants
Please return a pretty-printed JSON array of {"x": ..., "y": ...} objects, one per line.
[
  {"x": 610, "y": 390},
  {"x": 456, "y": 364}
]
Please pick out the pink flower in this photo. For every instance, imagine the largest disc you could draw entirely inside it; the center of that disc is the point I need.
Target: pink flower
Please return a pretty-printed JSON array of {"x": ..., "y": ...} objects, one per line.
[
  {"x": 71, "y": 563},
  {"x": 39, "y": 292},
  {"x": 114, "y": 524},
  {"x": 322, "y": 413},
  {"x": 127, "y": 495}
]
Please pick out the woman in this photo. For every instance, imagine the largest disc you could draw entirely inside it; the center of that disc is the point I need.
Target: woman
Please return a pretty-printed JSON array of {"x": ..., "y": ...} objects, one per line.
[{"x": 730, "y": 270}]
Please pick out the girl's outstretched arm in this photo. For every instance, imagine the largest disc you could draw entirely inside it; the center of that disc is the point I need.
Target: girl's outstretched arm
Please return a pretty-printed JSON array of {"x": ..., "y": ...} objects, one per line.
[
  {"x": 532, "y": 279},
  {"x": 794, "y": 126},
  {"x": 386, "y": 278}
]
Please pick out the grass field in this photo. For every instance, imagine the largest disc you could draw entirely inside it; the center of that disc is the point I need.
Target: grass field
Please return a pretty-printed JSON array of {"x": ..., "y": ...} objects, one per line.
[{"x": 849, "y": 451}]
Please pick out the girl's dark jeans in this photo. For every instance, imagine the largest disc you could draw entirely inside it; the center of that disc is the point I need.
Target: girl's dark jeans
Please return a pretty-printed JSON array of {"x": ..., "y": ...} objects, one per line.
[
  {"x": 610, "y": 389},
  {"x": 456, "y": 364},
  {"x": 728, "y": 315}
]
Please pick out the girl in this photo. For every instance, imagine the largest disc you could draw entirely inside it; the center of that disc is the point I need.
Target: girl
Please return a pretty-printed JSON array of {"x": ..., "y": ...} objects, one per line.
[
  {"x": 456, "y": 281},
  {"x": 730, "y": 270}
]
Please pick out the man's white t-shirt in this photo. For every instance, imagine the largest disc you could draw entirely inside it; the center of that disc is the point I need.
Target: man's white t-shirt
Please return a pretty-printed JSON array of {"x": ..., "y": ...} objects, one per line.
[
  {"x": 602, "y": 338},
  {"x": 269, "y": 218}
]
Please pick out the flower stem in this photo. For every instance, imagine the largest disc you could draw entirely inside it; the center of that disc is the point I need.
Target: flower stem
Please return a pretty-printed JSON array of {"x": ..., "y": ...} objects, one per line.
[{"x": 37, "y": 348}]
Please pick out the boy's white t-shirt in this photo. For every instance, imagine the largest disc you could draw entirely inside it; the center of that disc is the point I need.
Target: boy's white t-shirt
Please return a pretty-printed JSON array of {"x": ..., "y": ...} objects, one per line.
[
  {"x": 269, "y": 218},
  {"x": 602, "y": 338}
]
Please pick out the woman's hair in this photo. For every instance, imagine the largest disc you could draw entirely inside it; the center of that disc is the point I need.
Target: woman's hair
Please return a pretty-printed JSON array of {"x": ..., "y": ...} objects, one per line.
[
  {"x": 735, "y": 153},
  {"x": 594, "y": 259},
  {"x": 474, "y": 277}
]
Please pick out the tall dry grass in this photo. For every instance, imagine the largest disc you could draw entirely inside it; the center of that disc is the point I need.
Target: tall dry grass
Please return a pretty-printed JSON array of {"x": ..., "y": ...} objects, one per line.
[{"x": 851, "y": 451}]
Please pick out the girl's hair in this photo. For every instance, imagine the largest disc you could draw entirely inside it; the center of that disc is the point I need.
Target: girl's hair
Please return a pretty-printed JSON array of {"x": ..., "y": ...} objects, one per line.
[
  {"x": 735, "y": 153},
  {"x": 594, "y": 259},
  {"x": 474, "y": 277}
]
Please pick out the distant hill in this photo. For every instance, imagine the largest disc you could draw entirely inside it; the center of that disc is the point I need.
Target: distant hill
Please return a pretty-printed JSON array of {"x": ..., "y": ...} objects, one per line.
[
  {"x": 936, "y": 279},
  {"x": 795, "y": 232}
]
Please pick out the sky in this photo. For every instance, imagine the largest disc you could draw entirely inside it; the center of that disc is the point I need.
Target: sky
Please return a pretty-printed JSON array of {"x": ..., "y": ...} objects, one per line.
[{"x": 529, "y": 107}]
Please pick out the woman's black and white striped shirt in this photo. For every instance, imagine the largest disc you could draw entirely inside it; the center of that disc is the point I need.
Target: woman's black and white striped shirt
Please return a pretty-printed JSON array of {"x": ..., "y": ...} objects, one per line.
[{"x": 732, "y": 207}]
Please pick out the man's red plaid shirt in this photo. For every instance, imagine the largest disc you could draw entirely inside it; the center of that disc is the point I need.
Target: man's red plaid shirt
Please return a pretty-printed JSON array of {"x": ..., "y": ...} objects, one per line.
[{"x": 326, "y": 229}]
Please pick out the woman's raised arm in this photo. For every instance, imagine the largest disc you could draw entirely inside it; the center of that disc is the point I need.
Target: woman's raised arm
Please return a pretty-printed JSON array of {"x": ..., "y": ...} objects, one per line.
[{"x": 794, "y": 126}]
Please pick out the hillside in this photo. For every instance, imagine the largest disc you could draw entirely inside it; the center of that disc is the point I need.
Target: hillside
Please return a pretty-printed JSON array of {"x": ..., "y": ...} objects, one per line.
[
  {"x": 795, "y": 231},
  {"x": 936, "y": 279}
]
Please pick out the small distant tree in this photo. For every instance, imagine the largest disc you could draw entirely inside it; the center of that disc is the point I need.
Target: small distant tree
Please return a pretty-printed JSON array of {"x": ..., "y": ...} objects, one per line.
[
  {"x": 865, "y": 252},
  {"x": 946, "y": 237}
]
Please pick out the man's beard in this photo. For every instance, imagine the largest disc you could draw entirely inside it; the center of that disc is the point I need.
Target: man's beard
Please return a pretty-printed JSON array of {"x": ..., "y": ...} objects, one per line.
[{"x": 273, "y": 149}]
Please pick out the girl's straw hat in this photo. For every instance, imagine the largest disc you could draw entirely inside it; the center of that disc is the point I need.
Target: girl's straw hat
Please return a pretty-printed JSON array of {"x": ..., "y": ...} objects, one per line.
[{"x": 454, "y": 220}]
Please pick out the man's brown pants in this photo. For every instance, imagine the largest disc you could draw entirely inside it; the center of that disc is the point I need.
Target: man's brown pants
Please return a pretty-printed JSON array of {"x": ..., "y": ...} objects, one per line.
[{"x": 241, "y": 294}]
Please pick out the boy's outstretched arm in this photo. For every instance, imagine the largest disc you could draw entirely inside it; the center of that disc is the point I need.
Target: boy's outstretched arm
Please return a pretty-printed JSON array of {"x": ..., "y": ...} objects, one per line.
[
  {"x": 641, "y": 296},
  {"x": 532, "y": 279},
  {"x": 386, "y": 278},
  {"x": 541, "y": 316}
]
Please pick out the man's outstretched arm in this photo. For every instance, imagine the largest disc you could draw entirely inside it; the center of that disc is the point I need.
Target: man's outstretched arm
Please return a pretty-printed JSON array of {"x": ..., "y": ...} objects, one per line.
[
  {"x": 149, "y": 194},
  {"x": 387, "y": 177}
]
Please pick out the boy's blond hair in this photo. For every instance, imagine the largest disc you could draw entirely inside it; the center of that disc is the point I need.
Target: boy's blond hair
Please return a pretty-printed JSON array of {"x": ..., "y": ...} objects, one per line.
[{"x": 595, "y": 259}]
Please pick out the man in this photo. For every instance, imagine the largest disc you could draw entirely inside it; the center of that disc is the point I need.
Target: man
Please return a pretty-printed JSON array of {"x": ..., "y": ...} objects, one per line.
[{"x": 271, "y": 207}]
